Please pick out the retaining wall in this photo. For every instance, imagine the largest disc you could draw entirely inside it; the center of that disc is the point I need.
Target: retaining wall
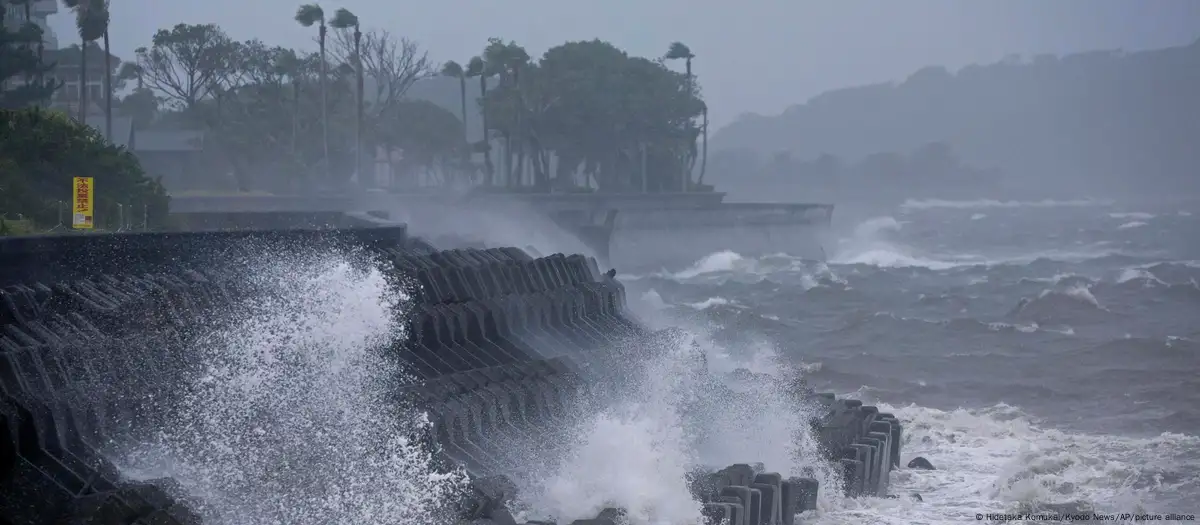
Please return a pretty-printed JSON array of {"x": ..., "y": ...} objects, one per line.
[{"x": 506, "y": 347}]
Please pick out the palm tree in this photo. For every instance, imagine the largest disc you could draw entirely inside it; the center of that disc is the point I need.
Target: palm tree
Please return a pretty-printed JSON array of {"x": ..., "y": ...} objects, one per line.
[
  {"x": 455, "y": 70},
  {"x": 507, "y": 60},
  {"x": 478, "y": 68},
  {"x": 308, "y": 15},
  {"x": 91, "y": 20},
  {"x": 344, "y": 19},
  {"x": 704, "y": 149},
  {"x": 677, "y": 51},
  {"x": 108, "y": 90}
]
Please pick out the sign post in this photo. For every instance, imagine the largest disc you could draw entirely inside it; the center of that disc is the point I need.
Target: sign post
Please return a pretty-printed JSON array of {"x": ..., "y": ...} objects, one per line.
[{"x": 82, "y": 219}]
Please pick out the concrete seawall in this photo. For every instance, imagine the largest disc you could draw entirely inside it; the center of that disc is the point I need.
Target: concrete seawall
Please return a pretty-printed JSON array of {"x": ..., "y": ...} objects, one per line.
[{"x": 500, "y": 346}]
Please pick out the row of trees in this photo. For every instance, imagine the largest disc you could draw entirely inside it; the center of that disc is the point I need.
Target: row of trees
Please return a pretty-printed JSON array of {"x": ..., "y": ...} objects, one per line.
[
  {"x": 584, "y": 114},
  {"x": 626, "y": 123}
]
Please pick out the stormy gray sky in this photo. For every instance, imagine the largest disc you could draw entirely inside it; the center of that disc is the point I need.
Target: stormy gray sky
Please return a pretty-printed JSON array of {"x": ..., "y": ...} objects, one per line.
[{"x": 752, "y": 56}]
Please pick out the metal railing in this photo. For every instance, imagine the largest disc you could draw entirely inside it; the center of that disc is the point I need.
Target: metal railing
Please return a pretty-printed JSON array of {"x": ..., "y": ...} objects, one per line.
[{"x": 127, "y": 219}]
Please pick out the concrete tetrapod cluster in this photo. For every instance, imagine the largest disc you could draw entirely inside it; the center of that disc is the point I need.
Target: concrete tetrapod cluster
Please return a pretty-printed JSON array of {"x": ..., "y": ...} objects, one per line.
[{"x": 503, "y": 346}]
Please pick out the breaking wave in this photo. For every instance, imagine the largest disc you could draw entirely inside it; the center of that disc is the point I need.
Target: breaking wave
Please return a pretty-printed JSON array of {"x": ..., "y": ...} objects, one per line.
[
  {"x": 290, "y": 421},
  {"x": 1136, "y": 215},
  {"x": 999, "y": 459},
  {"x": 1072, "y": 304},
  {"x": 636, "y": 449},
  {"x": 928, "y": 204},
  {"x": 670, "y": 416}
]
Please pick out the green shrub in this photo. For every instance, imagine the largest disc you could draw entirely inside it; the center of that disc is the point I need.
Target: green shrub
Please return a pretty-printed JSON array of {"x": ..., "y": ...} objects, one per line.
[{"x": 42, "y": 151}]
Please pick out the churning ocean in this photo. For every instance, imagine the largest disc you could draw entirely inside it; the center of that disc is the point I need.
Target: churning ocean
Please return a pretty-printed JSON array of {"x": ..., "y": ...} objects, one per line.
[{"x": 1042, "y": 354}]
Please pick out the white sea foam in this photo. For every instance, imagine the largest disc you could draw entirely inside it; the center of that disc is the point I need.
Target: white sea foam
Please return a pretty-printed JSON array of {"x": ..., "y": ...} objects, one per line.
[
  {"x": 997, "y": 460},
  {"x": 636, "y": 450},
  {"x": 1139, "y": 274},
  {"x": 927, "y": 204},
  {"x": 711, "y": 302},
  {"x": 289, "y": 424},
  {"x": 722, "y": 261},
  {"x": 1136, "y": 215}
]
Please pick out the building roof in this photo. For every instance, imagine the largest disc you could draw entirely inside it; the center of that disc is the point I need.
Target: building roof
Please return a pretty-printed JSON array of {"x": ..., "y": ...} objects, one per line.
[
  {"x": 122, "y": 129},
  {"x": 168, "y": 141}
]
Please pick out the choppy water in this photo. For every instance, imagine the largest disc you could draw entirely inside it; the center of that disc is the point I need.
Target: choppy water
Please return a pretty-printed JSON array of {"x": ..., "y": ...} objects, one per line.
[
  {"x": 1038, "y": 352},
  {"x": 1041, "y": 352}
]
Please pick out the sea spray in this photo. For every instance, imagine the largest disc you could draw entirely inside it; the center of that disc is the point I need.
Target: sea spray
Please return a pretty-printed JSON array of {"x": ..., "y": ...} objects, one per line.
[
  {"x": 633, "y": 452},
  {"x": 666, "y": 409},
  {"x": 290, "y": 422}
]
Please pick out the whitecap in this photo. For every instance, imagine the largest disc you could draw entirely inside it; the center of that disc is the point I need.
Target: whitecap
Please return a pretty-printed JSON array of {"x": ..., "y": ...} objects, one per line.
[
  {"x": 711, "y": 302},
  {"x": 927, "y": 204},
  {"x": 996, "y": 459},
  {"x": 1137, "y": 215}
]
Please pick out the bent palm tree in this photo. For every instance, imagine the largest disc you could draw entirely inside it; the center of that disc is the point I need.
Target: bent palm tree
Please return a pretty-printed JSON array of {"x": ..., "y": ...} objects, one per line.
[
  {"x": 678, "y": 51},
  {"x": 108, "y": 90},
  {"x": 455, "y": 70},
  {"x": 478, "y": 68},
  {"x": 308, "y": 15},
  {"x": 344, "y": 19},
  {"x": 91, "y": 20}
]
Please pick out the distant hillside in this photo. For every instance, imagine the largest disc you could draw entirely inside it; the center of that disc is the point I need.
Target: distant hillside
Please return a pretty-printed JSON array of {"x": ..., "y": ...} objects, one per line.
[{"x": 1097, "y": 122}]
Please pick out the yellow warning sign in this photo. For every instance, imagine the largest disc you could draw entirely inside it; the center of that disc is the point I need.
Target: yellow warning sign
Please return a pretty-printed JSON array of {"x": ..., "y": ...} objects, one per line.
[{"x": 81, "y": 218}]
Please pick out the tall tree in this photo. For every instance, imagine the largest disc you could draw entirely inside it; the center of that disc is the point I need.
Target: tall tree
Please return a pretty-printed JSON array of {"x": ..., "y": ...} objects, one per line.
[
  {"x": 108, "y": 67},
  {"x": 392, "y": 63},
  {"x": 309, "y": 15},
  {"x": 477, "y": 67},
  {"x": 453, "y": 69},
  {"x": 186, "y": 63},
  {"x": 704, "y": 147},
  {"x": 91, "y": 21},
  {"x": 679, "y": 51},
  {"x": 344, "y": 19},
  {"x": 141, "y": 105},
  {"x": 506, "y": 60}
]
